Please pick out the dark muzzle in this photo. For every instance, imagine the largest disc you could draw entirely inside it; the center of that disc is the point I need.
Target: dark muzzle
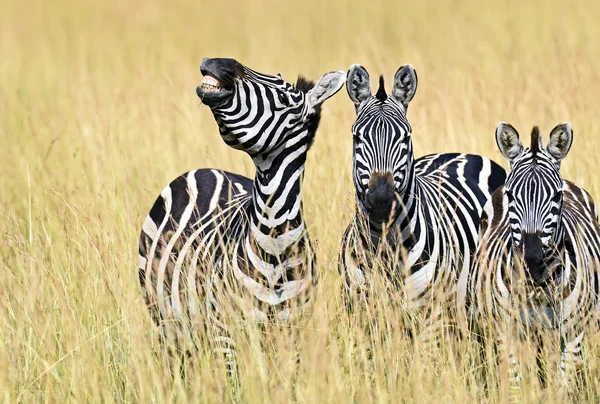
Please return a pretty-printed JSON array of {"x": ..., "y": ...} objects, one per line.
[
  {"x": 533, "y": 255},
  {"x": 218, "y": 82},
  {"x": 381, "y": 198}
]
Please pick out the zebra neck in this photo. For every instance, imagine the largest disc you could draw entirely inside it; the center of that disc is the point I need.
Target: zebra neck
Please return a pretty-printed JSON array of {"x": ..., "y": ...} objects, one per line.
[{"x": 276, "y": 222}]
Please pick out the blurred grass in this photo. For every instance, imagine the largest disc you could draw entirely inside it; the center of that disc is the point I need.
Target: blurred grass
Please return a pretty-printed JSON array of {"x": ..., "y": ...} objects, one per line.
[{"x": 98, "y": 113}]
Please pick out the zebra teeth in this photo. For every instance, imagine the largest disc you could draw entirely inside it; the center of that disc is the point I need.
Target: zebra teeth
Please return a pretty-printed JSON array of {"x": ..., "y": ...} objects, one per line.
[{"x": 211, "y": 84}]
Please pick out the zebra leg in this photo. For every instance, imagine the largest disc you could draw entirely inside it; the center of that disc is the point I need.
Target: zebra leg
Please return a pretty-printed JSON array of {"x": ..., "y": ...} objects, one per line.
[
  {"x": 177, "y": 363},
  {"x": 571, "y": 359},
  {"x": 220, "y": 337},
  {"x": 508, "y": 358},
  {"x": 480, "y": 362},
  {"x": 539, "y": 359},
  {"x": 432, "y": 332},
  {"x": 186, "y": 363},
  {"x": 224, "y": 347},
  {"x": 297, "y": 366}
]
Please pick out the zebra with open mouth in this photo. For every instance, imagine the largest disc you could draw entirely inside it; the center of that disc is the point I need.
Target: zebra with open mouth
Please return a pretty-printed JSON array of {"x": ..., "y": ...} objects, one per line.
[{"x": 215, "y": 239}]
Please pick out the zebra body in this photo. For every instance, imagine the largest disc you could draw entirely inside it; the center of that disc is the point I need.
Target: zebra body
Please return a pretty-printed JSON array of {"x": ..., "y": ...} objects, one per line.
[
  {"x": 536, "y": 267},
  {"x": 417, "y": 220},
  {"x": 215, "y": 240}
]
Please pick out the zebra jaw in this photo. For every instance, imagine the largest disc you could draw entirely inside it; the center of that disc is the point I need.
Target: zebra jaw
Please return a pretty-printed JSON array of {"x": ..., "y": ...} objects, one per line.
[{"x": 212, "y": 92}]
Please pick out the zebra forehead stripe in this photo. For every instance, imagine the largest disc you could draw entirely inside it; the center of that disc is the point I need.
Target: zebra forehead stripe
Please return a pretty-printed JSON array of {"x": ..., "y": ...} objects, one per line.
[
  {"x": 535, "y": 141},
  {"x": 381, "y": 95}
]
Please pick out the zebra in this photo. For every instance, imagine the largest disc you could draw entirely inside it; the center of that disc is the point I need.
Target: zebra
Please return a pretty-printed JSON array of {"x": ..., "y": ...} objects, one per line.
[
  {"x": 416, "y": 221},
  {"x": 536, "y": 266},
  {"x": 215, "y": 240}
]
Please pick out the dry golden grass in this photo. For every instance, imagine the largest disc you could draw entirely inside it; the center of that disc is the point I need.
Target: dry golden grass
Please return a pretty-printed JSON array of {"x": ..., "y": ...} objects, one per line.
[{"x": 98, "y": 113}]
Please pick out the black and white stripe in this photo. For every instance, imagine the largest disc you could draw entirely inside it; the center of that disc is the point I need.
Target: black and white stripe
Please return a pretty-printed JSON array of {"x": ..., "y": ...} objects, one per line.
[
  {"x": 536, "y": 266},
  {"x": 213, "y": 235},
  {"x": 417, "y": 221}
]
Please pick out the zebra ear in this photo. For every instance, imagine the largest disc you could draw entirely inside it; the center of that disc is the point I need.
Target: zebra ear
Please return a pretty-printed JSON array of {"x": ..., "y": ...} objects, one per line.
[
  {"x": 405, "y": 85},
  {"x": 507, "y": 139},
  {"x": 327, "y": 86},
  {"x": 358, "y": 85},
  {"x": 561, "y": 139}
]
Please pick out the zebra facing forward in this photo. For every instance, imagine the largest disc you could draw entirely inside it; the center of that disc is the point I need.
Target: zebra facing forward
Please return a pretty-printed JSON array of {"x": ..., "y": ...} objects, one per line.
[
  {"x": 536, "y": 266},
  {"x": 417, "y": 221},
  {"x": 214, "y": 237}
]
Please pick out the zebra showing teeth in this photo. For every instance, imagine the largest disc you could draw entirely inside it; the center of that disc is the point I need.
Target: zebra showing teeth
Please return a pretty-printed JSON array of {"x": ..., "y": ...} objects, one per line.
[
  {"x": 215, "y": 240},
  {"x": 209, "y": 83}
]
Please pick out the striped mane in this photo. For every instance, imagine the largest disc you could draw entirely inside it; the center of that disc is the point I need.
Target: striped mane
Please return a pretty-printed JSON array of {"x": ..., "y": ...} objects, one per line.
[
  {"x": 305, "y": 85},
  {"x": 381, "y": 95},
  {"x": 535, "y": 141}
]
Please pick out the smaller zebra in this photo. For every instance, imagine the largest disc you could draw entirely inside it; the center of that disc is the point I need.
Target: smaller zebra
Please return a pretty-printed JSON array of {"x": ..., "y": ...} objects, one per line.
[{"x": 536, "y": 266}]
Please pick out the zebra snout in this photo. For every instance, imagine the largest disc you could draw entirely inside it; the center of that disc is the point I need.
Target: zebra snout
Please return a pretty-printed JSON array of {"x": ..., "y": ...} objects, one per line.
[
  {"x": 533, "y": 254},
  {"x": 223, "y": 69},
  {"x": 381, "y": 197}
]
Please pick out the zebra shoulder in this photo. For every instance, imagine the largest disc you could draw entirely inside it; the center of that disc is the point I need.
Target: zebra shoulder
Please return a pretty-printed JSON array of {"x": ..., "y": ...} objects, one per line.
[
  {"x": 581, "y": 196},
  {"x": 493, "y": 228},
  {"x": 493, "y": 210}
]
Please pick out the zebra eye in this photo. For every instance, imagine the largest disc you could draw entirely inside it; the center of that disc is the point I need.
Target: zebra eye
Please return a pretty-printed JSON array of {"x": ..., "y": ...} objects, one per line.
[
  {"x": 356, "y": 139},
  {"x": 283, "y": 98},
  {"x": 557, "y": 196}
]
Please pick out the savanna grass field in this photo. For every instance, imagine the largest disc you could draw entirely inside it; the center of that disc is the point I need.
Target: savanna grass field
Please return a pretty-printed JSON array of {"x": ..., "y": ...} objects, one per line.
[{"x": 98, "y": 112}]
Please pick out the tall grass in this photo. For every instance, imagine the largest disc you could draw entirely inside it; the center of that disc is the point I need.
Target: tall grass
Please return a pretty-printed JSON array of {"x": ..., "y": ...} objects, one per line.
[{"x": 98, "y": 112}]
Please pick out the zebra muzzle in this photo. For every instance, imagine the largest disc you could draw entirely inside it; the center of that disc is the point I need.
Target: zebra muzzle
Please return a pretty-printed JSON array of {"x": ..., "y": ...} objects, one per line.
[
  {"x": 380, "y": 200},
  {"x": 533, "y": 256},
  {"x": 217, "y": 83}
]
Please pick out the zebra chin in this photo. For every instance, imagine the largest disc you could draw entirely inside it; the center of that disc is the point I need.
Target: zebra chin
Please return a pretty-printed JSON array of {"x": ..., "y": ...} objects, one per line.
[
  {"x": 214, "y": 99},
  {"x": 382, "y": 215}
]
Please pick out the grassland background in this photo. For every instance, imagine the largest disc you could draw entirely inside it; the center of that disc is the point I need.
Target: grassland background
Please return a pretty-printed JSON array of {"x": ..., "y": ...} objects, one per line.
[{"x": 98, "y": 113}]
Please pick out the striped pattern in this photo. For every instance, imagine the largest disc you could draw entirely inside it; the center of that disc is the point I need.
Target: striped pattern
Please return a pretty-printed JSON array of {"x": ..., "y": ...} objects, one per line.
[
  {"x": 537, "y": 264},
  {"x": 427, "y": 239},
  {"x": 214, "y": 240}
]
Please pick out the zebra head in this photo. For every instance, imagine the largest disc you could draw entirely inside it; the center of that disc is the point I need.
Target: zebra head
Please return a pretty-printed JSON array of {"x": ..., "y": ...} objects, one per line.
[
  {"x": 534, "y": 193},
  {"x": 383, "y": 155},
  {"x": 259, "y": 113}
]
